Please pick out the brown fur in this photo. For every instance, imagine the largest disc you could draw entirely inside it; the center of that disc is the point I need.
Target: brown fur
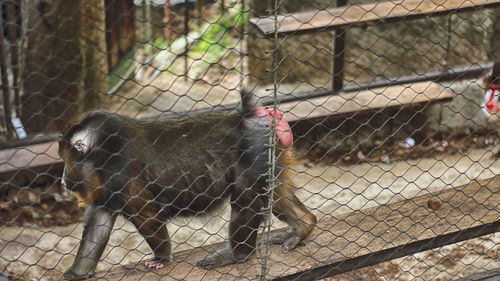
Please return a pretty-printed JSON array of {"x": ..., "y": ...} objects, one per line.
[{"x": 152, "y": 171}]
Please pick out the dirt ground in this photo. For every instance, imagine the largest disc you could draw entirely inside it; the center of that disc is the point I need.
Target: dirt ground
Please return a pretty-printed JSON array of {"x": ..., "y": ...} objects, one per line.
[
  {"x": 45, "y": 252},
  {"x": 446, "y": 263},
  {"x": 38, "y": 250}
]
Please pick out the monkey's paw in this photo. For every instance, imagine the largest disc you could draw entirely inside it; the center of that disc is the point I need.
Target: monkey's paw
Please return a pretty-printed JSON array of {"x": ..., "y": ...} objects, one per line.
[
  {"x": 69, "y": 275},
  {"x": 217, "y": 258},
  {"x": 290, "y": 244},
  {"x": 154, "y": 264},
  {"x": 287, "y": 238}
]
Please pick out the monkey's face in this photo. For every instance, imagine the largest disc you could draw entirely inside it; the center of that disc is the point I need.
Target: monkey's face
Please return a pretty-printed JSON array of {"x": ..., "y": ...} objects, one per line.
[
  {"x": 79, "y": 175},
  {"x": 491, "y": 101},
  {"x": 74, "y": 178}
]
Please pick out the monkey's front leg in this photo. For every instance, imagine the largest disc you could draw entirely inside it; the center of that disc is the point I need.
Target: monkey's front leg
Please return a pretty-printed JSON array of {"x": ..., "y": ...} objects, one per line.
[
  {"x": 98, "y": 225},
  {"x": 152, "y": 227}
]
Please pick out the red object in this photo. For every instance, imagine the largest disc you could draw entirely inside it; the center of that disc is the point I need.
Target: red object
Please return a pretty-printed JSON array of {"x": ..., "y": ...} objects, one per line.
[
  {"x": 491, "y": 106},
  {"x": 283, "y": 130}
]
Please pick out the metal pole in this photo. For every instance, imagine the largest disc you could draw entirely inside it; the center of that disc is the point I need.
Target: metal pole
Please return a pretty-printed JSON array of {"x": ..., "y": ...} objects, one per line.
[
  {"x": 12, "y": 31},
  {"x": 186, "y": 31},
  {"x": 338, "y": 55},
  {"x": 5, "y": 81},
  {"x": 272, "y": 151}
]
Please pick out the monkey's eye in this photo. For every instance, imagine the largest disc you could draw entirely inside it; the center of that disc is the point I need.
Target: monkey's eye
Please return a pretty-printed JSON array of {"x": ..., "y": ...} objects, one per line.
[{"x": 81, "y": 146}]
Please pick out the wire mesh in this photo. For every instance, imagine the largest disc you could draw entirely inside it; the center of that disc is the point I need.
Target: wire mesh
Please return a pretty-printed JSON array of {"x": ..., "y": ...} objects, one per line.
[{"x": 127, "y": 121}]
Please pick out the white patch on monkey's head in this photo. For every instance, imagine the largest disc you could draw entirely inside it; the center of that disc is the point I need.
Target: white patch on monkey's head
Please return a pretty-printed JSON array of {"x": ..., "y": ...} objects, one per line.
[{"x": 82, "y": 140}]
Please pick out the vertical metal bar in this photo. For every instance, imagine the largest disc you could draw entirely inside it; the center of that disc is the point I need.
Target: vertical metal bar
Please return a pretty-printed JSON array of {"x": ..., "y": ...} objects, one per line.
[
  {"x": 199, "y": 8},
  {"x": 5, "y": 81},
  {"x": 244, "y": 35},
  {"x": 186, "y": 31},
  {"x": 167, "y": 31},
  {"x": 338, "y": 55},
  {"x": 272, "y": 149},
  {"x": 147, "y": 17},
  {"x": 448, "y": 43},
  {"x": 494, "y": 50},
  {"x": 12, "y": 31}
]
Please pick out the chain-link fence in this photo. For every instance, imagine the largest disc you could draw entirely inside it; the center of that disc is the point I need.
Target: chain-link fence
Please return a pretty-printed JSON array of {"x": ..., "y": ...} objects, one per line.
[{"x": 137, "y": 136}]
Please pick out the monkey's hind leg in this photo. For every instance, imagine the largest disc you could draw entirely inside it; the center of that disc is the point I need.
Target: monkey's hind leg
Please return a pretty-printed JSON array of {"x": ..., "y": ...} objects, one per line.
[
  {"x": 288, "y": 208},
  {"x": 245, "y": 222}
]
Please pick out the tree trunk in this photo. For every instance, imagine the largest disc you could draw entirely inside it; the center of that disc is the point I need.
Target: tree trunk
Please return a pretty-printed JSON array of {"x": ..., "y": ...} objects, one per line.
[
  {"x": 65, "y": 69},
  {"x": 120, "y": 30}
]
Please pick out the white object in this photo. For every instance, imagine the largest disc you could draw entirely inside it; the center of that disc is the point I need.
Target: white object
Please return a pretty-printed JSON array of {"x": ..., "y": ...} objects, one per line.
[
  {"x": 18, "y": 126},
  {"x": 409, "y": 143}
]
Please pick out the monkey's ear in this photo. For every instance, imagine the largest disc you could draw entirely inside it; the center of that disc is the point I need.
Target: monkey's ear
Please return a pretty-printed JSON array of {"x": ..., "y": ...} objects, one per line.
[{"x": 81, "y": 146}]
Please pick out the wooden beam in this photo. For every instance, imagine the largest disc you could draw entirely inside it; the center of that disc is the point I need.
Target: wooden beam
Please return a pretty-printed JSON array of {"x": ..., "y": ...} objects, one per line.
[
  {"x": 42, "y": 156},
  {"x": 370, "y": 235},
  {"x": 373, "y": 99},
  {"x": 33, "y": 155},
  {"x": 28, "y": 161},
  {"x": 365, "y": 14}
]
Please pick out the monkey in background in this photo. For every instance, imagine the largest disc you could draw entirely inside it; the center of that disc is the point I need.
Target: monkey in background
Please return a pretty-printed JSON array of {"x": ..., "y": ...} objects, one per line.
[
  {"x": 152, "y": 171},
  {"x": 492, "y": 84}
]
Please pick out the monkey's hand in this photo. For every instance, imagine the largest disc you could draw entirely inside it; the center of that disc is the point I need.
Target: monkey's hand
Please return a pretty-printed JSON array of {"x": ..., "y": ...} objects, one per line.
[
  {"x": 219, "y": 257},
  {"x": 154, "y": 264}
]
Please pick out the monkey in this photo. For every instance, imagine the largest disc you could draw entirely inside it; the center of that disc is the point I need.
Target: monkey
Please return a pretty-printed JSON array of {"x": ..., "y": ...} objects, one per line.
[
  {"x": 490, "y": 105},
  {"x": 152, "y": 171}
]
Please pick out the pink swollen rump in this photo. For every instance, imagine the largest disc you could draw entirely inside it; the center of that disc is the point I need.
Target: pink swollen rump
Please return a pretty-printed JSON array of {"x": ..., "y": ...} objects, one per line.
[{"x": 283, "y": 130}]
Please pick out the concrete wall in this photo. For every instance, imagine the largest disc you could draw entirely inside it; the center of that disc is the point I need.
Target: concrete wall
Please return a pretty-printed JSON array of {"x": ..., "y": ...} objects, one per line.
[
  {"x": 305, "y": 59},
  {"x": 379, "y": 51}
]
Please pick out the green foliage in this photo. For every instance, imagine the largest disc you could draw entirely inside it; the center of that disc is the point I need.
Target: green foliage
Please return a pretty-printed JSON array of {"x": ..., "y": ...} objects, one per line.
[
  {"x": 213, "y": 42},
  {"x": 122, "y": 72},
  {"x": 217, "y": 39},
  {"x": 159, "y": 44}
]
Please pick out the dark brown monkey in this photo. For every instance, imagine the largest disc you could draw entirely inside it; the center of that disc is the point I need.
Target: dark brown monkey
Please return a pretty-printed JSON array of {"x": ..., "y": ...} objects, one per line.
[{"x": 151, "y": 171}]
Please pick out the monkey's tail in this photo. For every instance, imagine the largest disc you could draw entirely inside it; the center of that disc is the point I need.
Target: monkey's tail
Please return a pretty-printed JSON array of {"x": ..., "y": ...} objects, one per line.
[
  {"x": 248, "y": 102},
  {"x": 253, "y": 144}
]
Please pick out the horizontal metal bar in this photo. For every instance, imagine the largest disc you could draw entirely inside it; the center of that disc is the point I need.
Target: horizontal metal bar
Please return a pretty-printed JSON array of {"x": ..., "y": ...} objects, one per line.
[
  {"x": 452, "y": 74},
  {"x": 457, "y": 73}
]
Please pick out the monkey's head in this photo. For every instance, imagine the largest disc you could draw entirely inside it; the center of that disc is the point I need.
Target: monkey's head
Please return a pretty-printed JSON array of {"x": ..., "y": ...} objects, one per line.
[
  {"x": 79, "y": 174},
  {"x": 491, "y": 103}
]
